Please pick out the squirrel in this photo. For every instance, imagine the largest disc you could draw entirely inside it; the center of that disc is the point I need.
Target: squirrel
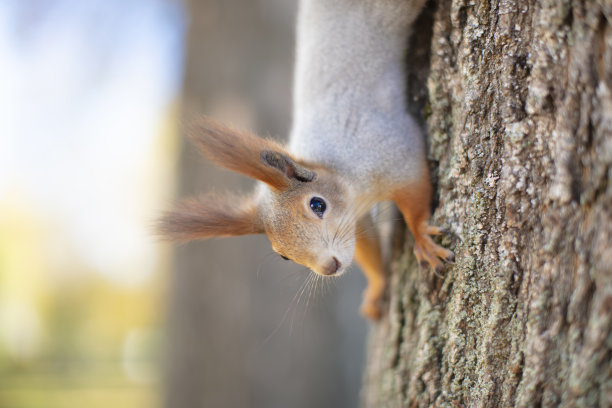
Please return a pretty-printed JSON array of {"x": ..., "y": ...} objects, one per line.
[{"x": 352, "y": 144}]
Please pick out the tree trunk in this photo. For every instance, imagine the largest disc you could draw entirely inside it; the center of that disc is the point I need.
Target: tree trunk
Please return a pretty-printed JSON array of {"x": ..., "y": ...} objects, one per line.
[{"x": 519, "y": 120}]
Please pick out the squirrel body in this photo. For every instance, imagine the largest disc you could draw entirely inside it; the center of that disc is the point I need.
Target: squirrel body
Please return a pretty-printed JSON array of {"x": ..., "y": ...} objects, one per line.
[
  {"x": 352, "y": 144},
  {"x": 349, "y": 92}
]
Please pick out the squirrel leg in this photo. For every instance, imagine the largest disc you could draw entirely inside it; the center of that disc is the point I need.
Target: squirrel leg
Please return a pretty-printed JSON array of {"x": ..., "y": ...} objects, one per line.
[
  {"x": 369, "y": 258},
  {"x": 413, "y": 201}
]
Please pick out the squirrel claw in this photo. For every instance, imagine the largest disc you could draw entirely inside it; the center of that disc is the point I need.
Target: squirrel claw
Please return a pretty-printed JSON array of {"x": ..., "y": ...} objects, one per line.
[
  {"x": 438, "y": 270},
  {"x": 428, "y": 252}
]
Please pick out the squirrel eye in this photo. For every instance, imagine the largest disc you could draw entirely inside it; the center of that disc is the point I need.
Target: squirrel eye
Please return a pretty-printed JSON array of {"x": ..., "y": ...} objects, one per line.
[{"x": 318, "y": 206}]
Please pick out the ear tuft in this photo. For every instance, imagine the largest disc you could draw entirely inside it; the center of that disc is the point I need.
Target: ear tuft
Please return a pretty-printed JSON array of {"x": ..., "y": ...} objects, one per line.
[
  {"x": 210, "y": 216},
  {"x": 287, "y": 166},
  {"x": 236, "y": 150}
]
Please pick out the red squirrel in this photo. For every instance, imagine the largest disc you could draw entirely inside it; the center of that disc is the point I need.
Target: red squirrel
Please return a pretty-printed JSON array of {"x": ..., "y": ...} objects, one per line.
[{"x": 352, "y": 144}]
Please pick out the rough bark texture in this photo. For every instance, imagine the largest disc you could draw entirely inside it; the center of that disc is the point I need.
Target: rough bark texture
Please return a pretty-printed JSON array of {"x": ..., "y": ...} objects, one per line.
[{"x": 519, "y": 125}]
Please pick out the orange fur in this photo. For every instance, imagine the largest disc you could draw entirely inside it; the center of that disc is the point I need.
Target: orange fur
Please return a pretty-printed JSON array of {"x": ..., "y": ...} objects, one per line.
[
  {"x": 368, "y": 256},
  {"x": 297, "y": 233},
  {"x": 237, "y": 150},
  {"x": 413, "y": 201},
  {"x": 210, "y": 216}
]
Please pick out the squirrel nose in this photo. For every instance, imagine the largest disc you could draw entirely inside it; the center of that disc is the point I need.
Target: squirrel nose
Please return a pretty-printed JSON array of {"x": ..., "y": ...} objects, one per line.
[{"x": 333, "y": 266}]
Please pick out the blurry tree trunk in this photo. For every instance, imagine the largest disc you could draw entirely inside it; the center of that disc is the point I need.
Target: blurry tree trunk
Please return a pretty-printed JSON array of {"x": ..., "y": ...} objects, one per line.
[
  {"x": 241, "y": 332},
  {"x": 519, "y": 122}
]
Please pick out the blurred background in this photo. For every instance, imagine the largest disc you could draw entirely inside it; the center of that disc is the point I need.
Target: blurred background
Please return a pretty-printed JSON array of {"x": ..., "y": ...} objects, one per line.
[{"x": 93, "y": 308}]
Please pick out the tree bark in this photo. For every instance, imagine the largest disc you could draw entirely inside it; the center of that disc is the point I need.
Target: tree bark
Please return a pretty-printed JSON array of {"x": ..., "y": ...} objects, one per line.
[{"x": 519, "y": 123}]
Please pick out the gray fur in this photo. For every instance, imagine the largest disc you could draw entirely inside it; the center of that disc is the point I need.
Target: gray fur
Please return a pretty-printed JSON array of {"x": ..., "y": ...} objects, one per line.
[{"x": 349, "y": 92}]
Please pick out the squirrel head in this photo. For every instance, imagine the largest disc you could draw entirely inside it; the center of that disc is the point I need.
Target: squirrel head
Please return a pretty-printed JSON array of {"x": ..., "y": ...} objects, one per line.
[{"x": 303, "y": 208}]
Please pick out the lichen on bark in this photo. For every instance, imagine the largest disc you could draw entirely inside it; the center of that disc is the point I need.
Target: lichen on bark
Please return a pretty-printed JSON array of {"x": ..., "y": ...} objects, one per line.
[{"x": 519, "y": 123}]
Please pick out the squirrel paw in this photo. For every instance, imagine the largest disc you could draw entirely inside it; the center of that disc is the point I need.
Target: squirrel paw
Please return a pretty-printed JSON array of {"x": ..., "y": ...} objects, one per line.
[
  {"x": 370, "y": 308},
  {"x": 428, "y": 252}
]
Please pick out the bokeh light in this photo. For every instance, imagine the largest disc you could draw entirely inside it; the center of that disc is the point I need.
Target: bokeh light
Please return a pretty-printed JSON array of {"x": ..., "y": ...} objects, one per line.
[{"x": 88, "y": 106}]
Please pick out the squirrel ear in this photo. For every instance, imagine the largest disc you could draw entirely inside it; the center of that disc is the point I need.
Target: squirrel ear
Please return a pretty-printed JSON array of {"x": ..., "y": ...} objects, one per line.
[
  {"x": 211, "y": 216},
  {"x": 238, "y": 151},
  {"x": 287, "y": 166}
]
